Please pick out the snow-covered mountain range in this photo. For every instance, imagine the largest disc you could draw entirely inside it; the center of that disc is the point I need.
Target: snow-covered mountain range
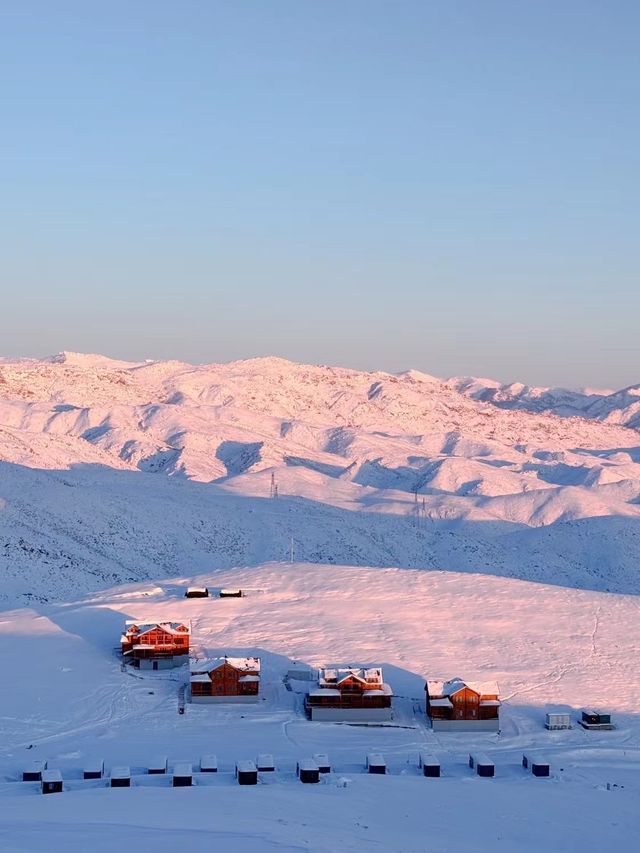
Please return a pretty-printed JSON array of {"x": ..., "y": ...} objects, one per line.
[{"x": 114, "y": 471}]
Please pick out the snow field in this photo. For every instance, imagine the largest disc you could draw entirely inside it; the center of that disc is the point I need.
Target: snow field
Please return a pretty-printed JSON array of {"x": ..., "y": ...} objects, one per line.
[{"x": 548, "y": 647}]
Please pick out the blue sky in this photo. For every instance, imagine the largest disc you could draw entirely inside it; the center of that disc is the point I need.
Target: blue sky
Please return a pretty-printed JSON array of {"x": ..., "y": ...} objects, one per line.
[{"x": 449, "y": 186}]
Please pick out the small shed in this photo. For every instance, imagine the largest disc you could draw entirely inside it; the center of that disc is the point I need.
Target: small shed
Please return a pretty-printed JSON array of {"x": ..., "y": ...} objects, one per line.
[
  {"x": 376, "y": 763},
  {"x": 158, "y": 765},
  {"x": 536, "y": 764},
  {"x": 93, "y": 769},
  {"x": 430, "y": 765},
  {"x": 120, "y": 777},
  {"x": 51, "y": 782},
  {"x": 322, "y": 760},
  {"x": 182, "y": 775},
  {"x": 556, "y": 721},
  {"x": 265, "y": 763},
  {"x": 230, "y": 593},
  {"x": 196, "y": 592},
  {"x": 308, "y": 771},
  {"x": 209, "y": 764},
  {"x": 598, "y": 720},
  {"x": 482, "y": 764},
  {"x": 33, "y": 772},
  {"x": 246, "y": 773}
]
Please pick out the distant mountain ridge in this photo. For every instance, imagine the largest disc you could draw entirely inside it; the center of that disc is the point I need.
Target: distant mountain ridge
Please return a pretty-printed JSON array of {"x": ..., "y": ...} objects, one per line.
[{"x": 468, "y": 456}]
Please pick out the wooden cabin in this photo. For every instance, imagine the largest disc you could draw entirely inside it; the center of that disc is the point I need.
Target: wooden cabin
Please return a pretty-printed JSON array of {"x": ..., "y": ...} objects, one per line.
[
  {"x": 225, "y": 679},
  {"x": 350, "y": 694},
  {"x": 230, "y": 593},
  {"x": 155, "y": 645},
  {"x": 196, "y": 592},
  {"x": 458, "y": 705},
  {"x": 51, "y": 782}
]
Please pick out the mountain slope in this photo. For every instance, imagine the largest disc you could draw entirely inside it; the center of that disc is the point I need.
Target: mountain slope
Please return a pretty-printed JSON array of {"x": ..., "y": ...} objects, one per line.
[{"x": 116, "y": 471}]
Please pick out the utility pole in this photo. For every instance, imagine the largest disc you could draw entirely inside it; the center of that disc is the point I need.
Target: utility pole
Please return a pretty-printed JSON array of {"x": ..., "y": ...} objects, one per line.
[
  {"x": 292, "y": 551},
  {"x": 273, "y": 484}
]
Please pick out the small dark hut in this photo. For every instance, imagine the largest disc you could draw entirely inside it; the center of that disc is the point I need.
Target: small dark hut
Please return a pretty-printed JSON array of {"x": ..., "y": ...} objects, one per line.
[
  {"x": 182, "y": 775},
  {"x": 308, "y": 771},
  {"x": 482, "y": 764},
  {"x": 246, "y": 773},
  {"x": 376, "y": 763},
  {"x": 51, "y": 782},
  {"x": 120, "y": 777}
]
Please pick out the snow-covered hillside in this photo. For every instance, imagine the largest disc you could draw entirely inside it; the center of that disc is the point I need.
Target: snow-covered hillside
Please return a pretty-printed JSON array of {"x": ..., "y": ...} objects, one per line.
[
  {"x": 547, "y": 647},
  {"x": 114, "y": 472}
]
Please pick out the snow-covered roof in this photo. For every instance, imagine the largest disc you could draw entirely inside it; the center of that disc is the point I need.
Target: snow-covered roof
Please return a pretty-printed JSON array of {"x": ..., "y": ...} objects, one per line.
[
  {"x": 336, "y": 675},
  {"x": 95, "y": 765},
  {"x": 382, "y": 690},
  {"x": 480, "y": 758},
  {"x": 248, "y": 664},
  {"x": 489, "y": 703},
  {"x": 209, "y": 762},
  {"x": 308, "y": 764},
  {"x": 159, "y": 762},
  {"x": 51, "y": 776},
  {"x": 440, "y": 703},
  {"x": 120, "y": 772},
  {"x": 325, "y": 691},
  {"x": 36, "y": 766},
  {"x": 247, "y": 678},
  {"x": 246, "y": 767},
  {"x": 167, "y": 627},
  {"x": 183, "y": 768},
  {"x": 150, "y": 624},
  {"x": 440, "y": 689},
  {"x": 200, "y": 678}
]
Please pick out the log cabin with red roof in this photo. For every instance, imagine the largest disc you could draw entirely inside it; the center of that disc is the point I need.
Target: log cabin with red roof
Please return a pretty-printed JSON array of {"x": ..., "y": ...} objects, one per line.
[
  {"x": 225, "y": 679},
  {"x": 458, "y": 705},
  {"x": 155, "y": 645}
]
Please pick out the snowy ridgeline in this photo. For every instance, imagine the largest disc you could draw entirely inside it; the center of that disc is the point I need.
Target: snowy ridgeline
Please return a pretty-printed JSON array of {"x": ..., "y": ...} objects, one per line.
[
  {"x": 547, "y": 646},
  {"x": 111, "y": 472}
]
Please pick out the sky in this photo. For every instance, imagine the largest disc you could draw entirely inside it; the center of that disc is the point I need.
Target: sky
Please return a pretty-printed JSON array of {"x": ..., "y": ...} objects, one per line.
[{"x": 449, "y": 186}]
